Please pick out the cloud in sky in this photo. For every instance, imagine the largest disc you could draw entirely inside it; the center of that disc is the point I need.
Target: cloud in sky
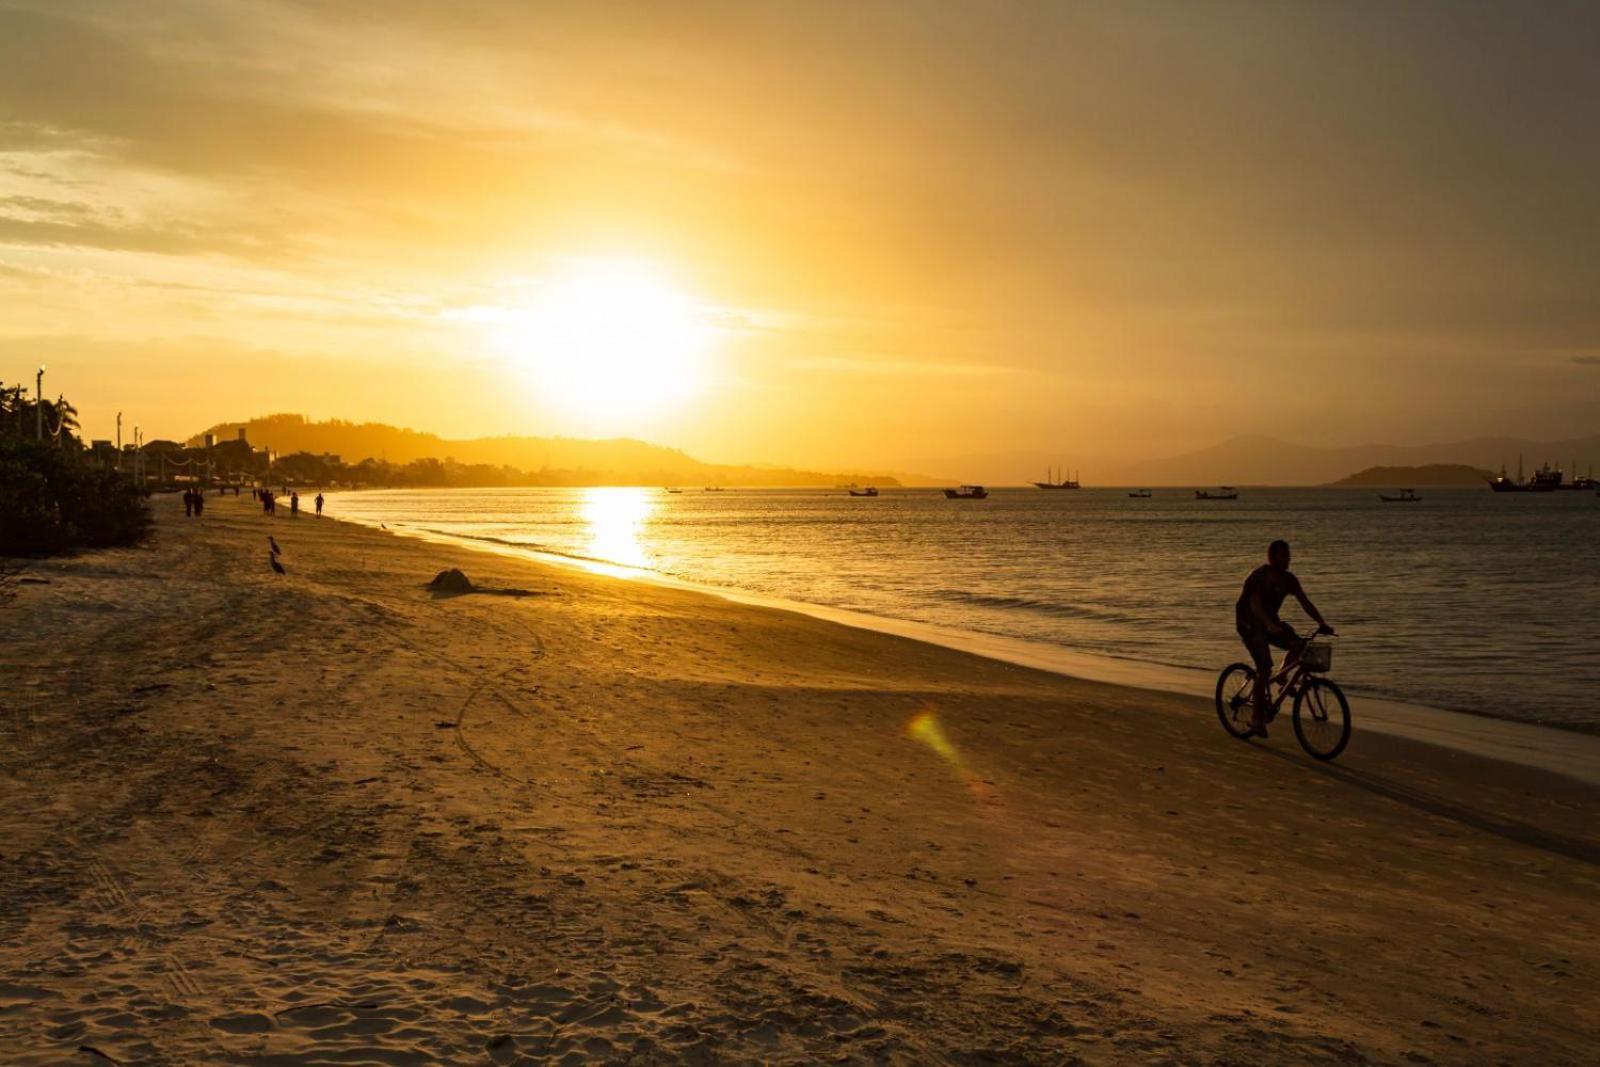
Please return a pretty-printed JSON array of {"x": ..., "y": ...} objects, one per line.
[{"x": 1161, "y": 211}]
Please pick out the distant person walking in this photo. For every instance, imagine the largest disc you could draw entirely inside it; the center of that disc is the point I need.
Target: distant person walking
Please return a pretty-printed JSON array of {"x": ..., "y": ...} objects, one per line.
[
  {"x": 199, "y": 503},
  {"x": 294, "y": 505},
  {"x": 319, "y": 505},
  {"x": 188, "y": 503}
]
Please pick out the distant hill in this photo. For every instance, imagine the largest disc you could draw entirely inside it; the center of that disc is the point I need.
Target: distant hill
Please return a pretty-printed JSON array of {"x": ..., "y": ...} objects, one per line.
[
  {"x": 568, "y": 460},
  {"x": 1433, "y": 475}
]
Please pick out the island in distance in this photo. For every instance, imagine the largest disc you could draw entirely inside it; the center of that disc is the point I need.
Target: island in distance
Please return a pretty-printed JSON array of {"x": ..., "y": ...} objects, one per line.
[{"x": 1431, "y": 475}]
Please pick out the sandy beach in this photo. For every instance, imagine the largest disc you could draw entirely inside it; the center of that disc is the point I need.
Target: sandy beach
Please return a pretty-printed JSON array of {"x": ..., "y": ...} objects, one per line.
[{"x": 332, "y": 817}]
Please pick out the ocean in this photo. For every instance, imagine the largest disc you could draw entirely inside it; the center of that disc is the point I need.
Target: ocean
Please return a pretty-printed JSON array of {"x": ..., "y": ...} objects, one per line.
[{"x": 1468, "y": 600}]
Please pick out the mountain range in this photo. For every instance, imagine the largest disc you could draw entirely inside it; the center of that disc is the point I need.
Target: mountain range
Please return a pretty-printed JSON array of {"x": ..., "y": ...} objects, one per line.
[
  {"x": 569, "y": 460},
  {"x": 1243, "y": 460}
]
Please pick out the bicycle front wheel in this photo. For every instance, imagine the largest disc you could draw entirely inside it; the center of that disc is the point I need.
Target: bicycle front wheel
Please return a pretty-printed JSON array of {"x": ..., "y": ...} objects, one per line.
[
  {"x": 1235, "y": 693},
  {"x": 1322, "y": 718}
]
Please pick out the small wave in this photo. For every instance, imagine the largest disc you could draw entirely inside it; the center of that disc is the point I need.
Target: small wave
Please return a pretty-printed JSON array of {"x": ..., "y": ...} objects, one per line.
[{"x": 1043, "y": 607}]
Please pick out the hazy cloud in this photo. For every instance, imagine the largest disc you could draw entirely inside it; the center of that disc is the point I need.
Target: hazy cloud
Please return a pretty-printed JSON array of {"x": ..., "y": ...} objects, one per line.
[{"x": 908, "y": 369}]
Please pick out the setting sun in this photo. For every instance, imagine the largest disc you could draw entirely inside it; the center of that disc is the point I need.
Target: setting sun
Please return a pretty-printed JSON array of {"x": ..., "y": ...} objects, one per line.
[{"x": 607, "y": 340}]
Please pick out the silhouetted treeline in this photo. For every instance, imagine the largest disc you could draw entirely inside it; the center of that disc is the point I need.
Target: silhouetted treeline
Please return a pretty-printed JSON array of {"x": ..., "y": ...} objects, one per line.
[
  {"x": 556, "y": 461},
  {"x": 52, "y": 498},
  {"x": 306, "y": 468}
]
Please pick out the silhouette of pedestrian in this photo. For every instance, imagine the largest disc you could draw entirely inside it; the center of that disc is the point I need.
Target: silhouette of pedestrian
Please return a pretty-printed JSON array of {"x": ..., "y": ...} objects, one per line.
[
  {"x": 294, "y": 505},
  {"x": 319, "y": 505},
  {"x": 199, "y": 503},
  {"x": 188, "y": 503}
]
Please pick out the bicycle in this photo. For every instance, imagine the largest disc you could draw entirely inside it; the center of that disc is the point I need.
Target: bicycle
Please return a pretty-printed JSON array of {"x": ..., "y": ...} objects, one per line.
[{"x": 1321, "y": 712}]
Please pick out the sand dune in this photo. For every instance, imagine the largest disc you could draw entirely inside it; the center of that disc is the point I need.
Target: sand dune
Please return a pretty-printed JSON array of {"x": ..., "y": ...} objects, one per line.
[{"x": 330, "y": 817}]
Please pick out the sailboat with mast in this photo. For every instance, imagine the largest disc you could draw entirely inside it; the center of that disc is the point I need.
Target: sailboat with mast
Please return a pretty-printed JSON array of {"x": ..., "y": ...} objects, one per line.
[{"x": 1057, "y": 480}]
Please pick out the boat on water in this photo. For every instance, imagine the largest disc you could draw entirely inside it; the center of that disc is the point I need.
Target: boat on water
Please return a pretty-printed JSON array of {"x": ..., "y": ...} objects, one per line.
[
  {"x": 1223, "y": 492},
  {"x": 1407, "y": 496},
  {"x": 870, "y": 490},
  {"x": 1057, "y": 480},
  {"x": 967, "y": 492},
  {"x": 1546, "y": 479},
  {"x": 669, "y": 489},
  {"x": 1140, "y": 494}
]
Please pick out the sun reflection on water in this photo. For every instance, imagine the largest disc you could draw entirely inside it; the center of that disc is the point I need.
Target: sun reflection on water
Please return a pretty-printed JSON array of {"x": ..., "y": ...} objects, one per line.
[{"x": 616, "y": 517}]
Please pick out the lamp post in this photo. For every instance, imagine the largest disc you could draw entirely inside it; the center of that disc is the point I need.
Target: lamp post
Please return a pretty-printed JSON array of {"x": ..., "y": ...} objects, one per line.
[
  {"x": 38, "y": 404},
  {"x": 119, "y": 441}
]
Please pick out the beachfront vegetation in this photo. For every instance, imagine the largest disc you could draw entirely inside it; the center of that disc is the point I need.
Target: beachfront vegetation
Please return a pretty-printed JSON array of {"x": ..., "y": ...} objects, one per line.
[{"x": 53, "y": 496}]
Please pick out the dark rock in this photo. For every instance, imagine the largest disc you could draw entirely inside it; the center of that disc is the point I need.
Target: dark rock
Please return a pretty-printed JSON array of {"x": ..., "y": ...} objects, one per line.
[{"x": 451, "y": 581}]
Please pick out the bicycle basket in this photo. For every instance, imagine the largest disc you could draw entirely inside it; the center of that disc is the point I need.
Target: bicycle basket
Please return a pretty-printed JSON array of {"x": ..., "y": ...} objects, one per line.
[{"x": 1317, "y": 657}]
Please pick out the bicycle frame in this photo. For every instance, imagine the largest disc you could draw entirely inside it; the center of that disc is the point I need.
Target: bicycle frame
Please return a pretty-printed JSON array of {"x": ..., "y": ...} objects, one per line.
[{"x": 1288, "y": 678}]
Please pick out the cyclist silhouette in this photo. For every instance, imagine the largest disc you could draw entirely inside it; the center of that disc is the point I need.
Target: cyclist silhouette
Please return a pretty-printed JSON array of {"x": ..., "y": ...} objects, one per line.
[{"x": 1256, "y": 618}]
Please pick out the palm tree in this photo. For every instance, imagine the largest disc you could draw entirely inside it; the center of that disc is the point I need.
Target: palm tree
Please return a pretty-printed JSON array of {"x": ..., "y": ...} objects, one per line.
[{"x": 61, "y": 417}]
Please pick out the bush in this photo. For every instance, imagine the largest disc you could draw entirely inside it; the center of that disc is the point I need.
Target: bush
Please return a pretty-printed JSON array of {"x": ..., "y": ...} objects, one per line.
[{"x": 52, "y": 501}]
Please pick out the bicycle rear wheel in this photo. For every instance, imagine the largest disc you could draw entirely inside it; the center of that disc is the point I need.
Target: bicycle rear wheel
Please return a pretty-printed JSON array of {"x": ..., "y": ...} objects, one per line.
[
  {"x": 1322, "y": 718},
  {"x": 1235, "y": 695}
]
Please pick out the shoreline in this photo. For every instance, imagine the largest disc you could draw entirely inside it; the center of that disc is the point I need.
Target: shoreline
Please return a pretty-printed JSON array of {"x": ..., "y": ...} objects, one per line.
[
  {"x": 1571, "y": 751},
  {"x": 333, "y": 815}
]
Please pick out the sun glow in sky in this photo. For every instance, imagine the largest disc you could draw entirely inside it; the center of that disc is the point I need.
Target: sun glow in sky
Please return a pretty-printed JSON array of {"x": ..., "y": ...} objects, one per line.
[
  {"x": 894, "y": 235},
  {"x": 609, "y": 341}
]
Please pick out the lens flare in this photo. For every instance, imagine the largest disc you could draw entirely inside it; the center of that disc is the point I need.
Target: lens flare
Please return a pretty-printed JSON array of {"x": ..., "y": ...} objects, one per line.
[{"x": 924, "y": 726}]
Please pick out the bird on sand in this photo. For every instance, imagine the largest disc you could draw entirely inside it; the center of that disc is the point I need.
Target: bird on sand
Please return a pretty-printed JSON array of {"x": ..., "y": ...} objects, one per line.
[
  {"x": 276, "y": 565},
  {"x": 274, "y": 544}
]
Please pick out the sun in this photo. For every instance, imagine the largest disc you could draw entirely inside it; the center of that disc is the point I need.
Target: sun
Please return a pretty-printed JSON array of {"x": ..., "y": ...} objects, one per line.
[{"x": 607, "y": 341}]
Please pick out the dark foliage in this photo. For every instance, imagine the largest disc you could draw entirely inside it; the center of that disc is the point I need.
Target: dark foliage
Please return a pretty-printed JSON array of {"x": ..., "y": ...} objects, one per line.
[{"x": 52, "y": 501}]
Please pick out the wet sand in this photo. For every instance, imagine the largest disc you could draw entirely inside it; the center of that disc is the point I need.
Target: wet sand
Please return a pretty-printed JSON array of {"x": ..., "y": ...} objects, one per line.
[{"x": 332, "y": 817}]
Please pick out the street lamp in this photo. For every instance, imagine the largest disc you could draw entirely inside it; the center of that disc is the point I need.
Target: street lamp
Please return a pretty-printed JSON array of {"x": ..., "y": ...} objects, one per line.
[{"x": 38, "y": 404}]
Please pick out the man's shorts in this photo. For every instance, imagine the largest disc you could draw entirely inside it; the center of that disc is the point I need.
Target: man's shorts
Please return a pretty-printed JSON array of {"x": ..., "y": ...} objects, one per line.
[{"x": 1260, "y": 641}]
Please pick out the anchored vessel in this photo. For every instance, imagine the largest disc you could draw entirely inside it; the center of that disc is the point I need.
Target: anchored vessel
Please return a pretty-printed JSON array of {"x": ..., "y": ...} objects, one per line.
[
  {"x": 1057, "y": 481},
  {"x": 870, "y": 490},
  {"x": 1407, "y": 496},
  {"x": 1546, "y": 479},
  {"x": 966, "y": 492},
  {"x": 1223, "y": 492}
]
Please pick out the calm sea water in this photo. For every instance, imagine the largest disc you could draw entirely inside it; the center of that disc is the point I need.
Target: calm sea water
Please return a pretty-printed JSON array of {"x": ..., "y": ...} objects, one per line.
[{"x": 1468, "y": 600}]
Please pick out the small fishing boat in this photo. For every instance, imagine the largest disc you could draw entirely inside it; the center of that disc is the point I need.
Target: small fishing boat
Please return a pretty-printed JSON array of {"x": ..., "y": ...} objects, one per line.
[
  {"x": 1224, "y": 492},
  {"x": 669, "y": 489},
  {"x": 1407, "y": 496},
  {"x": 870, "y": 490},
  {"x": 1141, "y": 494},
  {"x": 967, "y": 492}
]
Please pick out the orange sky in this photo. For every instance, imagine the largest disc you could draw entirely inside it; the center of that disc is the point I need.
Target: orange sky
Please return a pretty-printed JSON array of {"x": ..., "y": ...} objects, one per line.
[{"x": 907, "y": 230}]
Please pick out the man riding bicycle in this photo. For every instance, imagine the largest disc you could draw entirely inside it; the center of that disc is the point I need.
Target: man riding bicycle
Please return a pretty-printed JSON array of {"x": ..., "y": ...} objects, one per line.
[{"x": 1256, "y": 617}]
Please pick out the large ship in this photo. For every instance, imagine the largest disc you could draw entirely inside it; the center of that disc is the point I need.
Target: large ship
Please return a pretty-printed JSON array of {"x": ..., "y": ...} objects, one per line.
[
  {"x": 1546, "y": 479},
  {"x": 1057, "y": 481}
]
